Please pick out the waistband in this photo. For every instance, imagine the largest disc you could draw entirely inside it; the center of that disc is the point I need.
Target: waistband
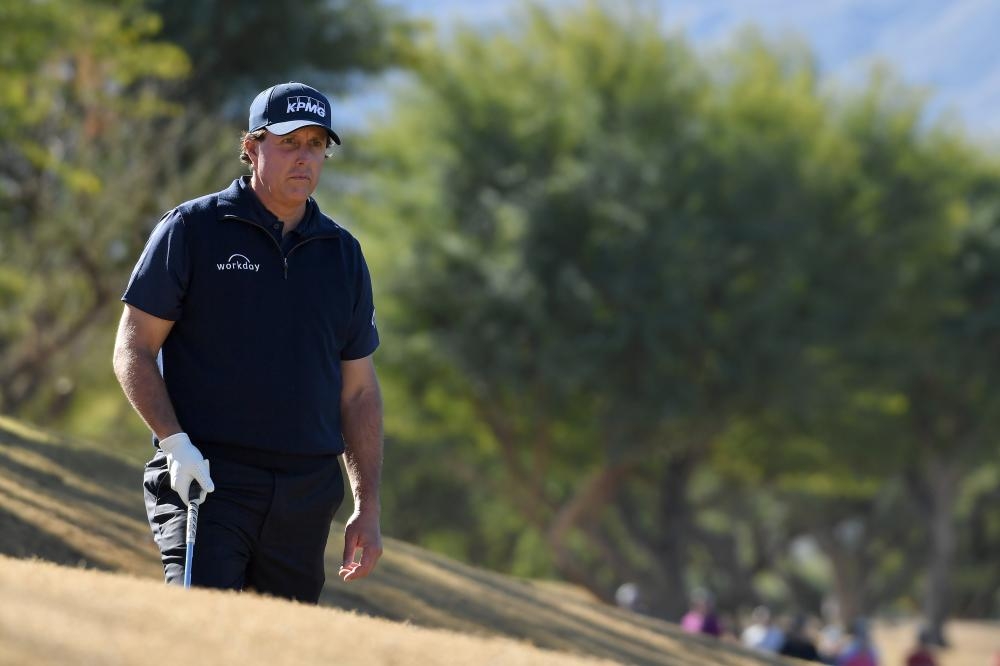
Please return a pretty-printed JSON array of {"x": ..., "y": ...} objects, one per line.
[{"x": 269, "y": 460}]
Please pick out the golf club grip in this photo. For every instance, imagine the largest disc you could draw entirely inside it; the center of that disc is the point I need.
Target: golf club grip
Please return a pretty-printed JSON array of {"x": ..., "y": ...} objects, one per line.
[
  {"x": 192, "y": 518},
  {"x": 192, "y": 522},
  {"x": 194, "y": 491}
]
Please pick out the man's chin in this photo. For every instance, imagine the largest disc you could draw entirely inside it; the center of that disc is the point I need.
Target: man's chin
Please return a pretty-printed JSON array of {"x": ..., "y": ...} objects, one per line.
[{"x": 301, "y": 190}]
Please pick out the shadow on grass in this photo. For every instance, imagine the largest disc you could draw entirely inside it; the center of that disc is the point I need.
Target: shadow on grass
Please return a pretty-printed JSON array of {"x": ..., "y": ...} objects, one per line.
[
  {"x": 24, "y": 540},
  {"x": 433, "y": 591},
  {"x": 73, "y": 489},
  {"x": 121, "y": 480}
]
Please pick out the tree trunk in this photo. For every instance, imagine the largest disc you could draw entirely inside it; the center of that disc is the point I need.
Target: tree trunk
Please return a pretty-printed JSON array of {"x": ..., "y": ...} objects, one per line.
[
  {"x": 847, "y": 579},
  {"x": 941, "y": 480},
  {"x": 669, "y": 599},
  {"x": 22, "y": 375},
  {"x": 578, "y": 513}
]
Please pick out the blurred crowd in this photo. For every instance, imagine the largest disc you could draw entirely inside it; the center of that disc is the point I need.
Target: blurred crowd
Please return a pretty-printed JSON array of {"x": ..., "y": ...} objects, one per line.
[{"x": 819, "y": 639}]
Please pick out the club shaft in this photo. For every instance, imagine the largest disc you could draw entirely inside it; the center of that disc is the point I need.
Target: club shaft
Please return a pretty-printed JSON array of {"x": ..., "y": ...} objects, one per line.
[
  {"x": 187, "y": 564},
  {"x": 192, "y": 531}
]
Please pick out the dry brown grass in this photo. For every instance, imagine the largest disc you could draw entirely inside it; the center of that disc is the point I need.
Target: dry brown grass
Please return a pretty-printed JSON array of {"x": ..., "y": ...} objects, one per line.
[
  {"x": 56, "y": 615},
  {"x": 75, "y": 504}
]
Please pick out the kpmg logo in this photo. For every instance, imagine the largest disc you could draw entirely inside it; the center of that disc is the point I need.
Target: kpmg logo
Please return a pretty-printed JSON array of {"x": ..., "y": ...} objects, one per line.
[
  {"x": 304, "y": 103},
  {"x": 238, "y": 262}
]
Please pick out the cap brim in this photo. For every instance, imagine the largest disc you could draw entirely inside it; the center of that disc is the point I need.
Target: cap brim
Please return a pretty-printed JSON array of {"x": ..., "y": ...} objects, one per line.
[{"x": 284, "y": 128}]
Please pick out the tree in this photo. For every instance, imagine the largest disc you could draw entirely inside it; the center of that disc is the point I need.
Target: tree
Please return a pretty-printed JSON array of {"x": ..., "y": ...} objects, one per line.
[
  {"x": 616, "y": 253},
  {"x": 239, "y": 48},
  {"x": 895, "y": 388},
  {"x": 74, "y": 76},
  {"x": 626, "y": 286},
  {"x": 930, "y": 345}
]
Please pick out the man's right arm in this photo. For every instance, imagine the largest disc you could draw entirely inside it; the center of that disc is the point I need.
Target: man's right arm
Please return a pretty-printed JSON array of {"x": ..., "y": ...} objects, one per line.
[{"x": 140, "y": 336}]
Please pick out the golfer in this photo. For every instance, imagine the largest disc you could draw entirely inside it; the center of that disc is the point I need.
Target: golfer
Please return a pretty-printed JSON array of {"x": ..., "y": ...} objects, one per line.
[{"x": 246, "y": 346}]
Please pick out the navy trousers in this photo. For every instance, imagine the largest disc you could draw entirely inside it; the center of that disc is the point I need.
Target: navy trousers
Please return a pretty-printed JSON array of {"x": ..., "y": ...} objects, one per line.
[{"x": 261, "y": 529}]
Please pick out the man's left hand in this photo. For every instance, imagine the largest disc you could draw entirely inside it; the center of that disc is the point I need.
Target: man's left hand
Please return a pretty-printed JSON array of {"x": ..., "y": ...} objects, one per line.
[{"x": 361, "y": 533}]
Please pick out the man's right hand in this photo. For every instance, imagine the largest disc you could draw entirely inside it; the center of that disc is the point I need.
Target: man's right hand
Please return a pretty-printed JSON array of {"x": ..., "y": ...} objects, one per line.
[{"x": 185, "y": 463}]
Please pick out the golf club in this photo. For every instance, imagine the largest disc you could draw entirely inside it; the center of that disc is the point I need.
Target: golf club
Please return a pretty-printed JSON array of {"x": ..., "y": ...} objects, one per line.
[{"x": 194, "y": 495}]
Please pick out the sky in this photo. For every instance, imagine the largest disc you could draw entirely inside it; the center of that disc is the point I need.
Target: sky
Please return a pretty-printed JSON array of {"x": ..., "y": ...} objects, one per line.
[{"x": 951, "y": 48}]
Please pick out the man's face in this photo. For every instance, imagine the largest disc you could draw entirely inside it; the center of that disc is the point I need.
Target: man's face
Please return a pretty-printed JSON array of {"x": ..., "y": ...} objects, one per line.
[{"x": 286, "y": 168}]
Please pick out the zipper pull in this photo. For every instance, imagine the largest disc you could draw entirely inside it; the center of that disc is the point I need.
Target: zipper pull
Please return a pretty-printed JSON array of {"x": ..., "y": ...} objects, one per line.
[{"x": 286, "y": 268}]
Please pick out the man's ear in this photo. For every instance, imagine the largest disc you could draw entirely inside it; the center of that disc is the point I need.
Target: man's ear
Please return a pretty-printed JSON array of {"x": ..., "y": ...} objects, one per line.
[{"x": 250, "y": 145}]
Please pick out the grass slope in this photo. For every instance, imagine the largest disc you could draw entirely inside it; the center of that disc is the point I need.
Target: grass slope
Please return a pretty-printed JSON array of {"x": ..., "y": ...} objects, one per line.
[
  {"x": 56, "y": 615},
  {"x": 75, "y": 503}
]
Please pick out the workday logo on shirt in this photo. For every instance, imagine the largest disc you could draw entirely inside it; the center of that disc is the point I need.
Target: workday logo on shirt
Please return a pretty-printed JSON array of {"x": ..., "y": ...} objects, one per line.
[{"x": 238, "y": 262}]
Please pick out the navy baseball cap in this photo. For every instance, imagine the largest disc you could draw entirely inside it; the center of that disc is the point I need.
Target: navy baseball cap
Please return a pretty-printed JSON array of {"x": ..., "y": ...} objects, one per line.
[{"x": 286, "y": 107}]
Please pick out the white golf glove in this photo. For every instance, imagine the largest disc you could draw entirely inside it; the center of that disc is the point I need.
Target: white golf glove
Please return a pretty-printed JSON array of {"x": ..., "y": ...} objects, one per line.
[{"x": 185, "y": 463}]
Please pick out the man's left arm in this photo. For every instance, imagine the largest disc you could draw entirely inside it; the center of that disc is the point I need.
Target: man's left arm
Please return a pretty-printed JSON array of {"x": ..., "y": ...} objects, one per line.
[{"x": 361, "y": 422}]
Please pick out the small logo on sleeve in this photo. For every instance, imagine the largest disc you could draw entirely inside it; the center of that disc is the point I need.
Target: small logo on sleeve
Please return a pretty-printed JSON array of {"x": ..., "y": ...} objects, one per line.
[{"x": 238, "y": 262}]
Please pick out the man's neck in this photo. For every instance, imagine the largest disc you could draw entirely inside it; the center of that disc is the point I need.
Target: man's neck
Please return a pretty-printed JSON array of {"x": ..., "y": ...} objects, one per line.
[
  {"x": 291, "y": 221},
  {"x": 290, "y": 215}
]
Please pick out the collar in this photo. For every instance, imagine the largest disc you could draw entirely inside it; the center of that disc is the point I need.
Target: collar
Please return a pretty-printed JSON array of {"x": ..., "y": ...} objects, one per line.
[{"x": 239, "y": 200}]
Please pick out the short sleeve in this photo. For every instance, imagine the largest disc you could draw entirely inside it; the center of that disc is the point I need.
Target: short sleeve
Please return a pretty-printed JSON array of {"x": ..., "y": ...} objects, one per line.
[
  {"x": 160, "y": 278},
  {"x": 362, "y": 335}
]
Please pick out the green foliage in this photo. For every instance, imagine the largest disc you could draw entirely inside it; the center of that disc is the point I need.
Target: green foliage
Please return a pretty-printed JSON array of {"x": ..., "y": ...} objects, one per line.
[
  {"x": 78, "y": 78},
  {"x": 66, "y": 65},
  {"x": 236, "y": 50}
]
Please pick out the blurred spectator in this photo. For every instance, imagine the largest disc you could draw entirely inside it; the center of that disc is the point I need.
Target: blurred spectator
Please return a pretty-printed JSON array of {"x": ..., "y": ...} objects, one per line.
[
  {"x": 831, "y": 636},
  {"x": 729, "y": 624},
  {"x": 923, "y": 653},
  {"x": 628, "y": 596},
  {"x": 797, "y": 641},
  {"x": 762, "y": 633},
  {"x": 859, "y": 650},
  {"x": 701, "y": 617}
]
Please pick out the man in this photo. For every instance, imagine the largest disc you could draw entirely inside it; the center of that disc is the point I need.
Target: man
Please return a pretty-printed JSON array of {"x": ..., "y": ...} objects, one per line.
[
  {"x": 246, "y": 340},
  {"x": 798, "y": 643},
  {"x": 922, "y": 654},
  {"x": 762, "y": 634}
]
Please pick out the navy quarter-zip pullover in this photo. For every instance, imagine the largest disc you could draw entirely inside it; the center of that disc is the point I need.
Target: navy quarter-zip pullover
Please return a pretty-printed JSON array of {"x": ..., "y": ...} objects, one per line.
[{"x": 261, "y": 322}]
